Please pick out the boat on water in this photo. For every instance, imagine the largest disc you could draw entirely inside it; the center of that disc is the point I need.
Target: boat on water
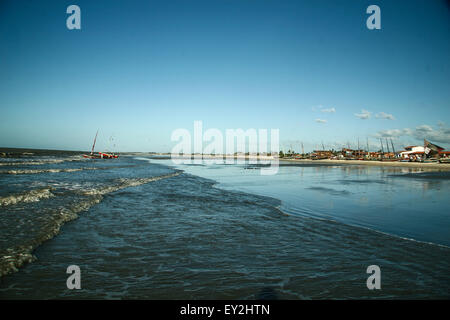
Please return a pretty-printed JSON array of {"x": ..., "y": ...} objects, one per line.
[{"x": 99, "y": 155}]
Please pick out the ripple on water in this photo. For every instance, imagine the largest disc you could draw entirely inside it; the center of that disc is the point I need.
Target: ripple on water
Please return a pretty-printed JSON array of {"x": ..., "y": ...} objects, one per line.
[{"x": 182, "y": 238}]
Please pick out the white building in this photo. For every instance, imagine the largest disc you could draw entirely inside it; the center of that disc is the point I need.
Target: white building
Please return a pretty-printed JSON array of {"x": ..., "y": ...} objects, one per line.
[{"x": 413, "y": 152}]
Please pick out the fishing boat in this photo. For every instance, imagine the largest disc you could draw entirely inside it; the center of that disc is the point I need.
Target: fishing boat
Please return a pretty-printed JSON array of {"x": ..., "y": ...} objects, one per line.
[{"x": 99, "y": 155}]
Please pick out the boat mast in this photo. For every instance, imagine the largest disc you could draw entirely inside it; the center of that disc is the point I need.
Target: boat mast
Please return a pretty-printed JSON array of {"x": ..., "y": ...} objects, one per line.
[
  {"x": 93, "y": 146},
  {"x": 368, "y": 152},
  {"x": 393, "y": 150},
  {"x": 382, "y": 150},
  {"x": 359, "y": 153}
]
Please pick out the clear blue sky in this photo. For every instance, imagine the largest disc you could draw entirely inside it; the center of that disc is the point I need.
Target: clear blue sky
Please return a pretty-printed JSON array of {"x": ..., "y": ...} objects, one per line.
[{"x": 137, "y": 70}]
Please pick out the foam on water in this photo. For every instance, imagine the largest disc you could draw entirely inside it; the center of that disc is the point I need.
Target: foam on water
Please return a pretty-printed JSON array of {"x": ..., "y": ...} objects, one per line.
[
  {"x": 13, "y": 162},
  {"x": 28, "y": 196},
  {"x": 31, "y": 171},
  {"x": 152, "y": 232},
  {"x": 183, "y": 238},
  {"x": 125, "y": 183},
  {"x": 25, "y": 228},
  {"x": 57, "y": 170}
]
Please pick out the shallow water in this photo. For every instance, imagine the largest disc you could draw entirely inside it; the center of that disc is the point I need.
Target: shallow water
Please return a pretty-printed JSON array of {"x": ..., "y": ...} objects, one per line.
[
  {"x": 139, "y": 229},
  {"x": 405, "y": 202}
]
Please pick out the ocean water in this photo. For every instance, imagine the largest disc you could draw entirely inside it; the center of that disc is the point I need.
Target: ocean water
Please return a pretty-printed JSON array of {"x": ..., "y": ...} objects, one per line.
[
  {"x": 406, "y": 202},
  {"x": 142, "y": 228}
]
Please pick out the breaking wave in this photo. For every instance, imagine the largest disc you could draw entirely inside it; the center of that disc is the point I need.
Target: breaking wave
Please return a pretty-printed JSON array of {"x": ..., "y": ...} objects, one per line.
[
  {"x": 28, "y": 196},
  {"x": 37, "y": 162},
  {"x": 125, "y": 183},
  {"x": 11, "y": 259},
  {"x": 36, "y": 171}
]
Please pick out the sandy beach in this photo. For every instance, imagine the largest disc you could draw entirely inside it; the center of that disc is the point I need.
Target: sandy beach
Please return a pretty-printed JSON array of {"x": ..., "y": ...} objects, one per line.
[
  {"x": 420, "y": 165},
  {"x": 427, "y": 166}
]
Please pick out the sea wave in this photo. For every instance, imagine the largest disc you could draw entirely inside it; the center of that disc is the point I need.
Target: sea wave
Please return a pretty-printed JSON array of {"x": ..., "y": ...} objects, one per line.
[
  {"x": 125, "y": 183},
  {"x": 11, "y": 259},
  {"x": 28, "y": 196},
  {"x": 37, "y": 162},
  {"x": 35, "y": 171},
  {"x": 29, "y": 163}
]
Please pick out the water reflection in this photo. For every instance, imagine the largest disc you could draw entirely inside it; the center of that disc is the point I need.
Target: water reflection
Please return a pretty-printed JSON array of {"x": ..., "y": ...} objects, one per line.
[{"x": 408, "y": 202}]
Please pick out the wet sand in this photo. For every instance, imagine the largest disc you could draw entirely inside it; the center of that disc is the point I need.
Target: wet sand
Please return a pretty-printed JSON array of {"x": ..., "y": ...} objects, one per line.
[
  {"x": 428, "y": 166},
  {"x": 283, "y": 161}
]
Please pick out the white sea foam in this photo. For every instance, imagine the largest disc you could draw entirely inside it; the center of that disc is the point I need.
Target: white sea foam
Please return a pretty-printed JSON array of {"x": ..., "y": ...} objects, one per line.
[
  {"x": 13, "y": 258},
  {"x": 125, "y": 183},
  {"x": 38, "y": 162},
  {"x": 35, "y": 171},
  {"x": 28, "y": 196}
]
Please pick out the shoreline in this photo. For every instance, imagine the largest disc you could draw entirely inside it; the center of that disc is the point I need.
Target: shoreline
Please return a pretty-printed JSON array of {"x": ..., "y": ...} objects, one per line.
[
  {"x": 419, "y": 165},
  {"x": 434, "y": 166},
  {"x": 29, "y": 152}
]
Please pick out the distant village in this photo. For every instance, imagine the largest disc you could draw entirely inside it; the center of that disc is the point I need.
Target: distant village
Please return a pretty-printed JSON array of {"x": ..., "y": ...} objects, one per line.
[{"x": 428, "y": 152}]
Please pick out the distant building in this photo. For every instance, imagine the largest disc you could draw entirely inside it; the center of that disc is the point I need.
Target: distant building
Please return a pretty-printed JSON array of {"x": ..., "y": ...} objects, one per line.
[
  {"x": 349, "y": 153},
  {"x": 444, "y": 154},
  {"x": 412, "y": 153},
  {"x": 321, "y": 154},
  {"x": 418, "y": 152}
]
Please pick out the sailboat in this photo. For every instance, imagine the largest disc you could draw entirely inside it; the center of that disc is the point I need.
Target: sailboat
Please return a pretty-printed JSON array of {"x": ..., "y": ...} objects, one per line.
[{"x": 99, "y": 155}]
